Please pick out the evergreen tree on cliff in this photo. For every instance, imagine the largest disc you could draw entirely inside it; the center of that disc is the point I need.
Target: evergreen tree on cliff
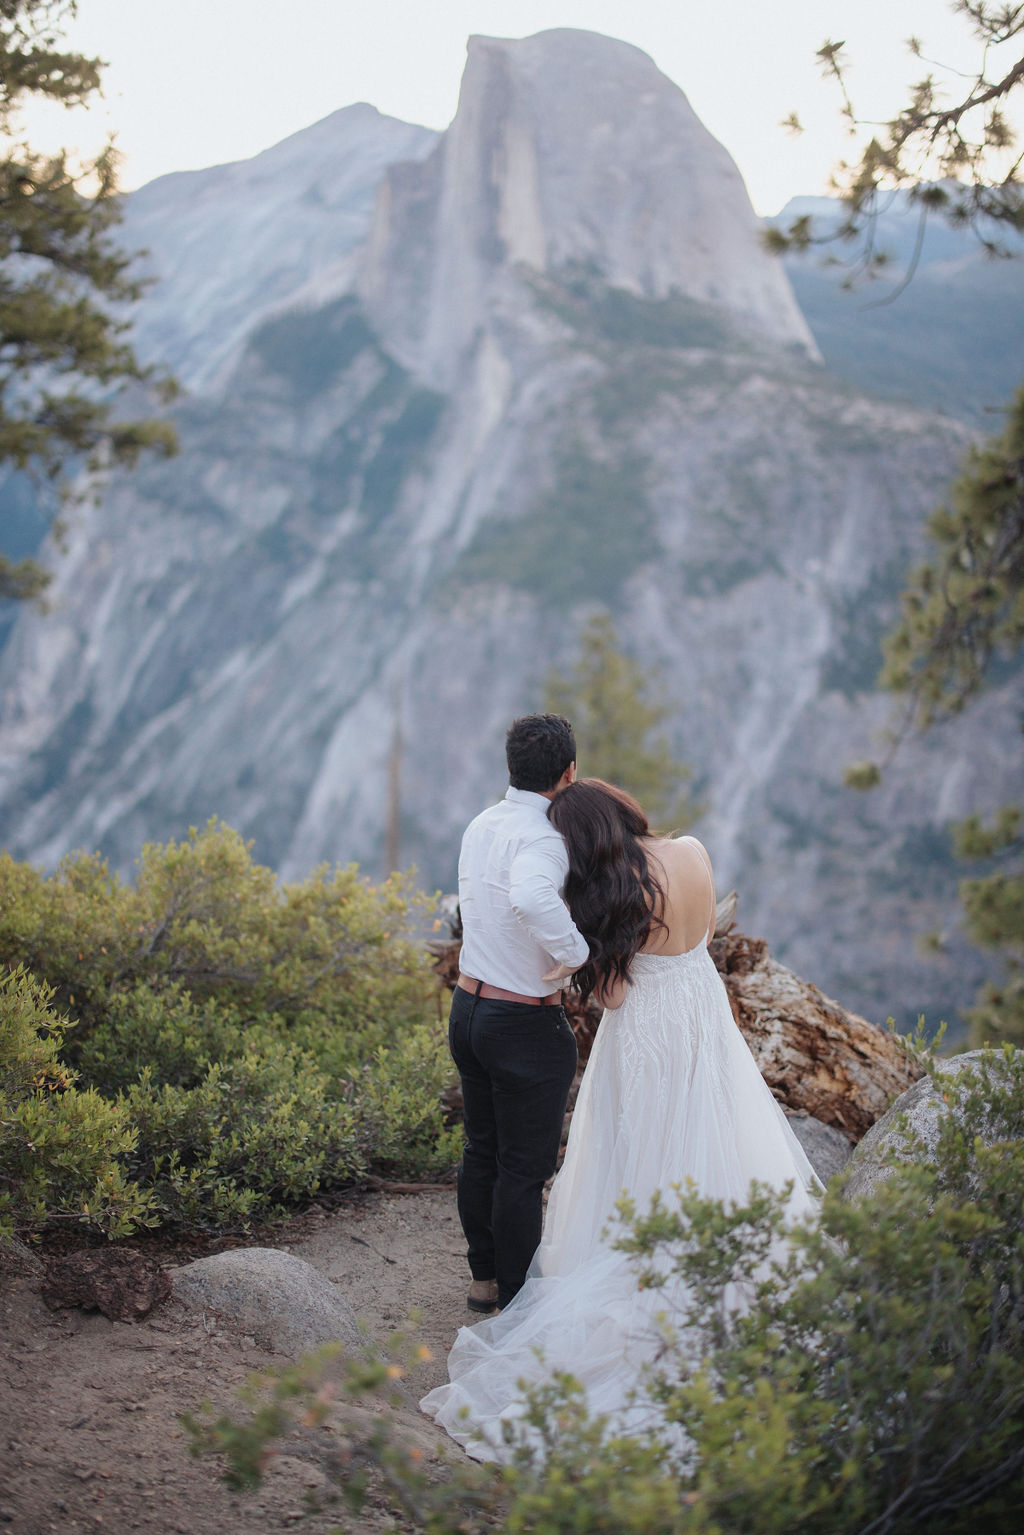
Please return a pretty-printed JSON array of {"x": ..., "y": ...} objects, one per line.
[
  {"x": 619, "y": 726},
  {"x": 64, "y": 283},
  {"x": 963, "y": 614},
  {"x": 952, "y": 149}
]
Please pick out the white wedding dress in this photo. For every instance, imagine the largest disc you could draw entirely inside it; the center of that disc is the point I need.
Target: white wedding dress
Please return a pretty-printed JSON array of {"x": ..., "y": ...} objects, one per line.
[{"x": 671, "y": 1092}]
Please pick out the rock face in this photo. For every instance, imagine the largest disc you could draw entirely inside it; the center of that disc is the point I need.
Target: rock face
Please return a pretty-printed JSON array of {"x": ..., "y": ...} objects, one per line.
[
  {"x": 282, "y": 1302},
  {"x": 546, "y": 369},
  {"x": 568, "y": 150},
  {"x": 826, "y": 1148},
  {"x": 235, "y": 244},
  {"x": 920, "y": 1107}
]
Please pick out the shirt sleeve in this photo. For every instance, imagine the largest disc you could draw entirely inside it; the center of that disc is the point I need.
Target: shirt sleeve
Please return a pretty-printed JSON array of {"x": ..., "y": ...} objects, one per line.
[{"x": 536, "y": 877}]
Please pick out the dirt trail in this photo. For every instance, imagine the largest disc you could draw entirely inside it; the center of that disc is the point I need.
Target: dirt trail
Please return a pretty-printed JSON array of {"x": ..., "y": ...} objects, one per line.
[{"x": 89, "y": 1437}]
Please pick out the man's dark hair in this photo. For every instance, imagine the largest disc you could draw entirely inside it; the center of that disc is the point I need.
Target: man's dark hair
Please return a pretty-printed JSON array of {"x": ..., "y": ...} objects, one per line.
[{"x": 538, "y": 749}]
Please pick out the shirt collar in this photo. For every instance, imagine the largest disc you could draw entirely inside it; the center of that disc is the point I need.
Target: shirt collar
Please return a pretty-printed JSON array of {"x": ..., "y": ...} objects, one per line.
[{"x": 528, "y": 797}]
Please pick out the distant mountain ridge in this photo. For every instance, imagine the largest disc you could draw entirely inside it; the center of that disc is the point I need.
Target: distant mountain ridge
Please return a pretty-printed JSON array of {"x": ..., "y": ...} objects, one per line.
[
  {"x": 941, "y": 326},
  {"x": 237, "y": 242},
  {"x": 446, "y": 395}
]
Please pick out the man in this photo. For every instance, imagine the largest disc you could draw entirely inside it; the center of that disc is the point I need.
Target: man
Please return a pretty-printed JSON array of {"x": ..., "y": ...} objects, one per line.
[{"x": 509, "y": 1036}]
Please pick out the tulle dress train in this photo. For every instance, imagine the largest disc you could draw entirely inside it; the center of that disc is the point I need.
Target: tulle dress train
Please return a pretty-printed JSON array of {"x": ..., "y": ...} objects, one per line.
[{"x": 671, "y": 1092}]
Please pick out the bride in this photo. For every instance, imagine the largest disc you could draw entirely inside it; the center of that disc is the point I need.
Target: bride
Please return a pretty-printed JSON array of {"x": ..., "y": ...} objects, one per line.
[{"x": 671, "y": 1093}]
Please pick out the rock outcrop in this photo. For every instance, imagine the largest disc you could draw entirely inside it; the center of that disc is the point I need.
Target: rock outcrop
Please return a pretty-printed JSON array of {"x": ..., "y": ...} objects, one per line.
[
  {"x": 813, "y": 1053},
  {"x": 826, "y": 1148},
  {"x": 272, "y": 1296},
  {"x": 233, "y": 245},
  {"x": 915, "y": 1113},
  {"x": 568, "y": 150}
]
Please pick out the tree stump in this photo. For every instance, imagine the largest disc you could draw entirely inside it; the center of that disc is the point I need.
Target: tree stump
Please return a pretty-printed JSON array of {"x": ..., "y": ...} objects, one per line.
[
  {"x": 813, "y": 1054},
  {"x": 119, "y": 1281}
]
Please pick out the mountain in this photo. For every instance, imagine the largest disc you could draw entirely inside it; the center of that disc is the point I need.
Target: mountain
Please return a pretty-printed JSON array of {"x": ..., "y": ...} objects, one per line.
[
  {"x": 448, "y": 394},
  {"x": 567, "y": 151},
  {"x": 232, "y": 245}
]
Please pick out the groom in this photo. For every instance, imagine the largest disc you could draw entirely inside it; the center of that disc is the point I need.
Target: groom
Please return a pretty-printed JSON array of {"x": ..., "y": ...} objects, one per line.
[{"x": 509, "y": 1037}]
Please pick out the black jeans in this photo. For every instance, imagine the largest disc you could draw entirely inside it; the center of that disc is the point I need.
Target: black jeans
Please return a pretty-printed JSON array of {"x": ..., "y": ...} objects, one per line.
[{"x": 517, "y": 1063}]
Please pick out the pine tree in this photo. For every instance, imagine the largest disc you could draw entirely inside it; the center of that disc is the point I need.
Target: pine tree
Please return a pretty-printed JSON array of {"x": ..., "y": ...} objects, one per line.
[
  {"x": 962, "y": 614},
  {"x": 964, "y": 609},
  {"x": 994, "y": 912},
  {"x": 65, "y": 284},
  {"x": 618, "y": 727}
]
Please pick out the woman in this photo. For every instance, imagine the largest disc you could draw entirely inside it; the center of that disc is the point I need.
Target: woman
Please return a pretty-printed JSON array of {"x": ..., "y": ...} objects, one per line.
[{"x": 670, "y": 1093}]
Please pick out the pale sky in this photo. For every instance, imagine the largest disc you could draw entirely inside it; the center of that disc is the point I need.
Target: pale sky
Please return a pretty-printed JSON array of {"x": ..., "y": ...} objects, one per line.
[{"x": 192, "y": 83}]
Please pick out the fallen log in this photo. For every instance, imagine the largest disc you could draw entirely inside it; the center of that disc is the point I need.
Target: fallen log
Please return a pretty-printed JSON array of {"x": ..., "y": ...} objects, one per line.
[{"x": 813, "y": 1054}]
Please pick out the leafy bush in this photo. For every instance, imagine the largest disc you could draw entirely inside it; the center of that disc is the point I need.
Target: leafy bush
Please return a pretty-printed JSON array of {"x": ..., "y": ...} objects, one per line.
[
  {"x": 332, "y": 951},
  {"x": 235, "y": 1119},
  {"x": 252, "y": 1042},
  {"x": 60, "y": 1147},
  {"x": 166, "y": 1032},
  {"x": 78, "y": 930},
  {"x": 397, "y": 1098},
  {"x": 874, "y": 1383},
  {"x": 256, "y": 1132}
]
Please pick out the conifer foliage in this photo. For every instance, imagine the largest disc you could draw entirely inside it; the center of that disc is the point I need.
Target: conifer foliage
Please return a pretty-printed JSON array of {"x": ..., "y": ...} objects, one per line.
[
  {"x": 64, "y": 282},
  {"x": 964, "y": 609},
  {"x": 950, "y": 145},
  {"x": 963, "y": 613},
  {"x": 619, "y": 725}
]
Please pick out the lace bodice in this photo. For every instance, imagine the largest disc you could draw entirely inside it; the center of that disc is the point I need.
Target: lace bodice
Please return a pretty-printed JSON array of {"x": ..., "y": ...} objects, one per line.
[{"x": 649, "y": 960}]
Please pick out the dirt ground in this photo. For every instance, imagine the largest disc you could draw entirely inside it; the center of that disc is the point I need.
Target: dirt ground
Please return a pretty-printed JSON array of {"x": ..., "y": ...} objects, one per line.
[{"x": 89, "y": 1432}]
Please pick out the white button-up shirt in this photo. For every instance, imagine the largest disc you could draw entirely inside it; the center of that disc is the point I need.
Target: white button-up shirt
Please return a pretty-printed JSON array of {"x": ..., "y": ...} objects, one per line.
[{"x": 515, "y": 924}]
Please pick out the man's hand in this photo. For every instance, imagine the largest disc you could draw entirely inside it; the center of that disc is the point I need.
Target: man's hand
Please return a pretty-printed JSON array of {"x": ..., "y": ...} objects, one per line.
[{"x": 559, "y": 973}]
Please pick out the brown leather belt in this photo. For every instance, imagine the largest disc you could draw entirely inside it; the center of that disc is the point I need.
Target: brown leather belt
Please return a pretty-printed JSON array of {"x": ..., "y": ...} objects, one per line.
[{"x": 499, "y": 994}]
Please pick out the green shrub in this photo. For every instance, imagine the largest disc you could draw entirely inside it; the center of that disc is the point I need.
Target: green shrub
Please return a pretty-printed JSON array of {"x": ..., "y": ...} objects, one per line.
[
  {"x": 255, "y": 1133},
  {"x": 60, "y": 1147},
  {"x": 396, "y": 1098},
  {"x": 332, "y": 951},
  {"x": 260, "y": 1040},
  {"x": 873, "y": 1386},
  {"x": 167, "y": 1033},
  {"x": 235, "y": 1121},
  {"x": 78, "y": 929},
  {"x": 211, "y": 1096}
]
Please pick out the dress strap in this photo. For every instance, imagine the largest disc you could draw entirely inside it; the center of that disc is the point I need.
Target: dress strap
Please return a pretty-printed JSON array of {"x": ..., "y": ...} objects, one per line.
[{"x": 699, "y": 850}]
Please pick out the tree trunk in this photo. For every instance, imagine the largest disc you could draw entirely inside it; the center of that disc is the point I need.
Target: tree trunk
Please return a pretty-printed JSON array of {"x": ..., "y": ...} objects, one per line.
[{"x": 813, "y": 1054}]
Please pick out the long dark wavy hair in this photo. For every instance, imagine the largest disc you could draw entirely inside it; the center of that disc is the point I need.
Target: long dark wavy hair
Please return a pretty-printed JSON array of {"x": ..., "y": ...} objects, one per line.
[{"x": 615, "y": 898}]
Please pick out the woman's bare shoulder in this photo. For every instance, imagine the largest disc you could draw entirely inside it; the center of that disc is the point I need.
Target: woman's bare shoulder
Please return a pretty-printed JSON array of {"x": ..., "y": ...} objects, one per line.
[
  {"x": 694, "y": 845},
  {"x": 679, "y": 849}
]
